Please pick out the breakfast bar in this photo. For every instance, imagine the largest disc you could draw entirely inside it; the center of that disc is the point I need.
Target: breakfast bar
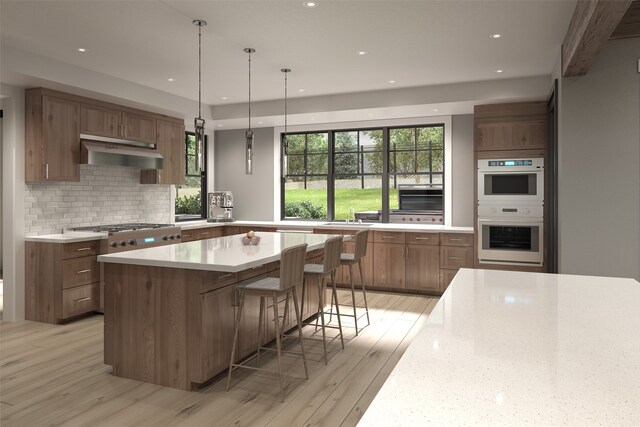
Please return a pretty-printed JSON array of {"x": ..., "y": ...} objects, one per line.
[{"x": 169, "y": 310}]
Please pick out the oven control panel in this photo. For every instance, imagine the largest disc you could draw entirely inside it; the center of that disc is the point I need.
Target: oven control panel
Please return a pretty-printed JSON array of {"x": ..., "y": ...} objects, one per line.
[{"x": 523, "y": 211}]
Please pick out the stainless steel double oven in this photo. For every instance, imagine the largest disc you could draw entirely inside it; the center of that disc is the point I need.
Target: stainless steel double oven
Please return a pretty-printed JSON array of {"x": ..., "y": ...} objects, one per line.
[{"x": 511, "y": 211}]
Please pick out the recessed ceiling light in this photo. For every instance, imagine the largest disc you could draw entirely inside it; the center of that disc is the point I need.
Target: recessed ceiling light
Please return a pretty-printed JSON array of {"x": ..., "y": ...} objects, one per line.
[
  {"x": 300, "y": 90},
  {"x": 498, "y": 71},
  {"x": 495, "y": 36},
  {"x": 171, "y": 79},
  {"x": 260, "y": 123},
  {"x": 81, "y": 49},
  {"x": 310, "y": 4},
  {"x": 219, "y": 126},
  {"x": 436, "y": 110},
  {"x": 362, "y": 52},
  {"x": 225, "y": 97},
  {"x": 392, "y": 81}
]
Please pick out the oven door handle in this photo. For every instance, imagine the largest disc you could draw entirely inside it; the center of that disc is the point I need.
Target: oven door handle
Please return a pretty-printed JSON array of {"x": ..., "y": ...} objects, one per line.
[{"x": 502, "y": 221}]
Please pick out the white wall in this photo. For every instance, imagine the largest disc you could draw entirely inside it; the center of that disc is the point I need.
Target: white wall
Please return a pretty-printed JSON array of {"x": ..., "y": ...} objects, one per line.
[
  {"x": 599, "y": 166},
  {"x": 252, "y": 194},
  {"x": 13, "y": 201},
  {"x": 1, "y": 192},
  {"x": 463, "y": 170}
]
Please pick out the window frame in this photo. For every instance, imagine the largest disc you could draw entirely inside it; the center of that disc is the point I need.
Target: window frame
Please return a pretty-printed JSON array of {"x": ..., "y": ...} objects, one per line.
[
  {"x": 202, "y": 176},
  {"x": 386, "y": 173}
]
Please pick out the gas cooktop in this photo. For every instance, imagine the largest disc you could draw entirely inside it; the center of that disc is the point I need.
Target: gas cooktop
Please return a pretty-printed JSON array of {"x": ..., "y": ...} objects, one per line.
[{"x": 115, "y": 228}]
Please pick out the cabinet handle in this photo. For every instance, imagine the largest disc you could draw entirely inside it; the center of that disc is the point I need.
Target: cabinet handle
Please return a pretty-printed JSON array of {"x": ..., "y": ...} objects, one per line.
[
  {"x": 256, "y": 267},
  {"x": 46, "y": 171},
  {"x": 225, "y": 276},
  {"x": 84, "y": 271},
  {"x": 455, "y": 240},
  {"x": 388, "y": 237},
  {"x": 422, "y": 238},
  {"x": 83, "y": 299},
  {"x": 83, "y": 249},
  {"x": 457, "y": 258}
]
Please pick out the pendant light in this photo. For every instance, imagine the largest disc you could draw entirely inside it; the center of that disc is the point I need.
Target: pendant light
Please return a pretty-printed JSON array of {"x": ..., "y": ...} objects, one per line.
[
  {"x": 249, "y": 133},
  {"x": 198, "y": 122},
  {"x": 285, "y": 143}
]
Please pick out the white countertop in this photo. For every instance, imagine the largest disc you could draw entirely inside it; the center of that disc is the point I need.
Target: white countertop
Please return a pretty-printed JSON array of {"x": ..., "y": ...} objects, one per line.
[
  {"x": 309, "y": 225},
  {"x": 510, "y": 348},
  {"x": 76, "y": 236},
  {"x": 218, "y": 254}
]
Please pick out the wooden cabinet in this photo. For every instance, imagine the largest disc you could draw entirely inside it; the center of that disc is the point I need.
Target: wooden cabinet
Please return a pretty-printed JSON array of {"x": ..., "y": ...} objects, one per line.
[
  {"x": 389, "y": 255},
  {"x": 217, "y": 331},
  {"x": 423, "y": 262},
  {"x": 512, "y": 126},
  {"x": 52, "y": 138},
  {"x": 61, "y": 280},
  {"x": 456, "y": 251},
  {"x": 230, "y": 230},
  {"x": 170, "y": 144},
  {"x": 54, "y": 122},
  {"x": 201, "y": 233},
  {"x": 187, "y": 235}
]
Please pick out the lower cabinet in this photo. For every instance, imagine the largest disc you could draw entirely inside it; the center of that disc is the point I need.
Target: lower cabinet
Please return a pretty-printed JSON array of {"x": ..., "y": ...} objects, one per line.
[
  {"x": 456, "y": 252},
  {"x": 217, "y": 331},
  {"x": 423, "y": 268},
  {"x": 389, "y": 265},
  {"x": 61, "y": 280}
]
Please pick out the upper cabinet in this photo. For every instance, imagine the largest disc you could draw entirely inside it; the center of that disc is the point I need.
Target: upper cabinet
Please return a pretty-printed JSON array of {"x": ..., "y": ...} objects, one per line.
[
  {"x": 52, "y": 138},
  {"x": 102, "y": 121},
  {"x": 515, "y": 126},
  {"x": 55, "y": 121},
  {"x": 170, "y": 143}
]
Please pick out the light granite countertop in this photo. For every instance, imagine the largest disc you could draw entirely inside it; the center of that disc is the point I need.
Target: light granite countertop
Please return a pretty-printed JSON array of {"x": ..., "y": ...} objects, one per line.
[
  {"x": 218, "y": 254},
  {"x": 512, "y": 348}
]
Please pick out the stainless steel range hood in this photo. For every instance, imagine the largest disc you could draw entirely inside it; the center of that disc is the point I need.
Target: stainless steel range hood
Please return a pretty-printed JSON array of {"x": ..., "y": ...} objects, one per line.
[{"x": 119, "y": 154}]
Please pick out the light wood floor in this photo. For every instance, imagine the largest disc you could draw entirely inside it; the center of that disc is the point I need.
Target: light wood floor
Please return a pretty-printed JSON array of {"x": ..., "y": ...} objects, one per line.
[{"x": 54, "y": 375}]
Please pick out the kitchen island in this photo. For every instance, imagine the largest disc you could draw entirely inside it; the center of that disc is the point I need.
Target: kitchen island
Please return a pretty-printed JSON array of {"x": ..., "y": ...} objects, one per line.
[
  {"x": 512, "y": 348},
  {"x": 169, "y": 310}
]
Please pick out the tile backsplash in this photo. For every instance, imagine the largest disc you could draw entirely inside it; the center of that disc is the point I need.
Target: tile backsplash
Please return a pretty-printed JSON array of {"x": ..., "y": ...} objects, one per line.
[{"x": 104, "y": 195}]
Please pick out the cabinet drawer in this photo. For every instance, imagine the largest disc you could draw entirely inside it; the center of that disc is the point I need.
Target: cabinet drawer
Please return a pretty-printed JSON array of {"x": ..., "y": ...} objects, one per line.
[
  {"x": 80, "y": 271},
  {"x": 80, "y": 300},
  {"x": 388, "y": 237},
  {"x": 216, "y": 280},
  {"x": 204, "y": 233},
  {"x": 422, "y": 238},
  {"x": 80, "y": 249},
  {"x": 456, "y": 239},
  {"x": 187, "y": 235},
  {"x": 453, "y": 257}
]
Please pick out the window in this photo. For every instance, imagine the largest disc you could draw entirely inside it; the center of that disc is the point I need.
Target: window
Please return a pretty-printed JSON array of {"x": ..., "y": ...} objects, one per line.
[
  {"x": 191, "y": 196},
  {"x": 334, "y": 174},
  {"x": 306, "y": 177}
]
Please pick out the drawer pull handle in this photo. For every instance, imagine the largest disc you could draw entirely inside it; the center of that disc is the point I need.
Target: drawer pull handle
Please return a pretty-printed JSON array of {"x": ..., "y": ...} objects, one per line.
[
  {"x": 454, "y": 240},
  {"x": 423, "y": 238},
  {"x": 83, "y": 299},
  {"x": 457, "y": 258},
  {"x": 388, "y": 237},
  {"x": 83, "y": 249},
  {"x": 256, "y": 267},
  {"x": 84, "y": 271},
  {"x": 225, "y": 276}
]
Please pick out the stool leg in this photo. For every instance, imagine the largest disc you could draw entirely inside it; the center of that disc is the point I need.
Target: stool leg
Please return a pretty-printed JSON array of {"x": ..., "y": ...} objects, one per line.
[
  {"x": 260, "y": 320},
  {"x": 236, "y": 330},
  {"x": 285, "y": 315},
  {"x": 353, "y": 297},
  {"x": 364, "y": 292},
  {"x": 276, "y": 319},
  {"x": 321, "y": 285},
  {"x": 335, "y": 295},
  {"x": 299, "y": 320},
  {"x": 305, "y": 282}
]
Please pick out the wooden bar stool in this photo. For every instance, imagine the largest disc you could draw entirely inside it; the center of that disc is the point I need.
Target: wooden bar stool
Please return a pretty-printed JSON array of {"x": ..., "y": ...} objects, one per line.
[
  {"x": 331, "y": 262},
  {"x": 291, "y": 275},
  {"x": 350, "y": 260}
]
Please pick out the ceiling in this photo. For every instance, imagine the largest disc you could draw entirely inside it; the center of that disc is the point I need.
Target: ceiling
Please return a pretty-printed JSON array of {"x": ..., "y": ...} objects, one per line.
[{"x": 414, "y": 43}]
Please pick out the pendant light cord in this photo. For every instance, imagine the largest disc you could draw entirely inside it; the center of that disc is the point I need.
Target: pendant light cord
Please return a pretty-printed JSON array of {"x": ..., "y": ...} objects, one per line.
[
  {"x": 249, "y": 90},
  {"x": 199, "y": 71}
]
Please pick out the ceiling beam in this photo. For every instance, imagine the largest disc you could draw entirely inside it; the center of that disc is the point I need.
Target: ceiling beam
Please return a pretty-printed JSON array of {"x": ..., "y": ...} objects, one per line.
[
  {"x": 591, "y": 26},
  {"x": 629, "y": 26}
]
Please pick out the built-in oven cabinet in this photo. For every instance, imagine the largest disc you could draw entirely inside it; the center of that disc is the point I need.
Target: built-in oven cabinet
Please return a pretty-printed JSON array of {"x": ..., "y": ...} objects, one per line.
[
  {"x": 62, "y": 280},
  {"x": 518, "y": 242},
  {"x": 510, "y": 126}
]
